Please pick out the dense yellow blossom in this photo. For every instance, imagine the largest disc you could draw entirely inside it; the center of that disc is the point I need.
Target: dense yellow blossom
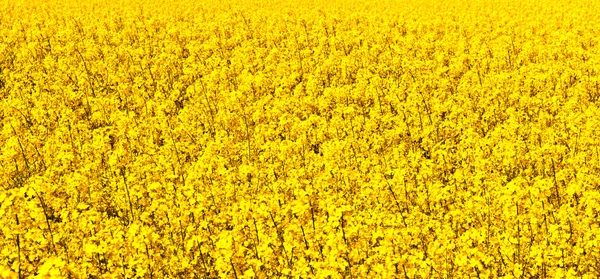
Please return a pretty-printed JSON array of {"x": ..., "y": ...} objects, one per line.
[{"x": 300, "y": 139}]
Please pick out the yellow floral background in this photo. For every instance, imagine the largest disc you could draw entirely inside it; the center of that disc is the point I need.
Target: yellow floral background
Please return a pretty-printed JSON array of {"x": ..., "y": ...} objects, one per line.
[{"x": 299, "y": 139}]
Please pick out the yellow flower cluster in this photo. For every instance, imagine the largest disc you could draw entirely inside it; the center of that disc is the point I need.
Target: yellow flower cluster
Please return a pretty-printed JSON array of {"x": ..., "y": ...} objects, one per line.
[{"x": 300, "y": 139}]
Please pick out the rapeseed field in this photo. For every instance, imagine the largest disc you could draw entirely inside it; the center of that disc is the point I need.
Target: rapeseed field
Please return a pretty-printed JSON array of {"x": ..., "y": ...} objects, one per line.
[{"x": 299, "y": 139}]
